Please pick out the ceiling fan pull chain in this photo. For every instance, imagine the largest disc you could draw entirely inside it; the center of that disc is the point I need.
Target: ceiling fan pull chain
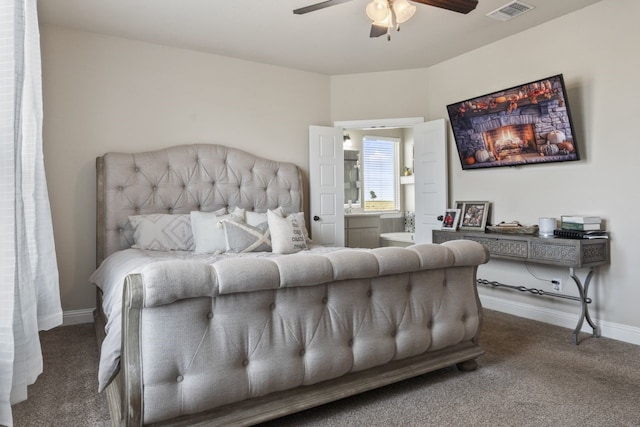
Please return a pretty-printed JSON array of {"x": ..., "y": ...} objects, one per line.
[{"x": 394, "y": 18}]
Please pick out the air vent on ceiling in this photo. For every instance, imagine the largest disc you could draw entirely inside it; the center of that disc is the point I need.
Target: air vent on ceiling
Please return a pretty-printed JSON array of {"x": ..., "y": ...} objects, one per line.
[{"x": 509, "y": 11}]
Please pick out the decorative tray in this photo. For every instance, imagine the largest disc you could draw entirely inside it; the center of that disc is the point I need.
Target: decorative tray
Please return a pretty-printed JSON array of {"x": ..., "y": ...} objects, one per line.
[{"x": 512, "y": 228}]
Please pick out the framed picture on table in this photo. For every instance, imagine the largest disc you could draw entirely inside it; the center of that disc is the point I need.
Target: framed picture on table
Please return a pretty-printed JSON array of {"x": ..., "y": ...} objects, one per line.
[
  {"x": 451, "y": 219},
  {"x": 474, "y": 215}
]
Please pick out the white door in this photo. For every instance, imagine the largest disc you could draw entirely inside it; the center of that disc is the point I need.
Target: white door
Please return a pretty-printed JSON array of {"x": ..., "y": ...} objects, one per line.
[
  {"x": 430, "y": 170},
  {"x": 326, "y": 185}
]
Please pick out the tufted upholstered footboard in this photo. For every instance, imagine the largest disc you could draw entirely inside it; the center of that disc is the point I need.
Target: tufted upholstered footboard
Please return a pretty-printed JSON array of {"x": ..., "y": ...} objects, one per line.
[{"x": 309, "y": 330}]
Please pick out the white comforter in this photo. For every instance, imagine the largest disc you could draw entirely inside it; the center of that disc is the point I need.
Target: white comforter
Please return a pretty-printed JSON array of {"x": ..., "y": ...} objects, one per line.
[{"x": 109, "y": 277}]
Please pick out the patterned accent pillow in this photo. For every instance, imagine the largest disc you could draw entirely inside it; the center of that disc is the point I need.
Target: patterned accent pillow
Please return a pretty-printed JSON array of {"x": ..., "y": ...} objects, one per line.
[
  {"x": 286, "y": 234},
  {"x": 242, "y": 237},
  {"x": 162, "y": 232}
]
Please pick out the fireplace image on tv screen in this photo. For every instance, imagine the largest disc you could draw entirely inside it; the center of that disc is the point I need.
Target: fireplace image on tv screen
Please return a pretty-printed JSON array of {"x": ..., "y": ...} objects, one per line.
[{"x": 525, "y": 124}]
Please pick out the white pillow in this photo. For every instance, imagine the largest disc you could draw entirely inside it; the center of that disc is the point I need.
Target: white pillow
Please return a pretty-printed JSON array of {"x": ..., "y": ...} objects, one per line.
[
  {"x": 303, "y": 226},
  {"x": 162, "y": 232},
  {"x": 208, "y": 233},
  {"x": 286, "y": 234},
  {"x": 242, "y": 237},
  {"x": 300, "y": 218},
  {"x": 256, "y": 218}
]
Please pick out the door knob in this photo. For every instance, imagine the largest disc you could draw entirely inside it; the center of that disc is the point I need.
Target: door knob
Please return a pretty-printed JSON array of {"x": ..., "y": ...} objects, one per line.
[
  {"x": 440, "y": 217},
  {"x": 316, "y": 218}
]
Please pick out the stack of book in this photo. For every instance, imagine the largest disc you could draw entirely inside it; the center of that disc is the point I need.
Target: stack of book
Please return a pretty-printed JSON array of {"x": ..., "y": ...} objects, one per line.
[{"x": 581, "y": 227}]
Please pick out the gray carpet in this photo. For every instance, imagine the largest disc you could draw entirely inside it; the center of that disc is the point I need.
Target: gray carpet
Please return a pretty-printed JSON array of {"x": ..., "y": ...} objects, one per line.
[
  {"x": 66, "y": 393},
  {"x": 531, "y": 375}
]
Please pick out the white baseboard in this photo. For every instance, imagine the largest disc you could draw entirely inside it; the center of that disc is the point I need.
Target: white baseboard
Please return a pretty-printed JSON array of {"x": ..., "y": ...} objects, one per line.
[
  {"x": 612, "y": 330},
  {"x": 76, "y": 317}
]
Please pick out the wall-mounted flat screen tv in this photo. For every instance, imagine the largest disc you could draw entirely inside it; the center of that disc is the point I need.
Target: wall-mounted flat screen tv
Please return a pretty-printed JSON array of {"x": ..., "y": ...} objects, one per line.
[{"x": 522, "y": 125}]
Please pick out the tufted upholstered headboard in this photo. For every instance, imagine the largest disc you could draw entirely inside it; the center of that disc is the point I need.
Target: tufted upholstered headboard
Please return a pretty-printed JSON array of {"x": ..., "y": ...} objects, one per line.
[{"x": 185, "y": 178}]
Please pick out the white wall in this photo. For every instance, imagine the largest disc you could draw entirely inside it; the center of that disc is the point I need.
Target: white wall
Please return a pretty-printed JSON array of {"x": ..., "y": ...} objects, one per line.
[
  {"x": 107, "y": 94},
  {"x": 596, "y": 50}
]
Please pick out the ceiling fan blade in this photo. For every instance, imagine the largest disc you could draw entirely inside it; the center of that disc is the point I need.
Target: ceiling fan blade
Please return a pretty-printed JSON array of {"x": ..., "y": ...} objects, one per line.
[
  {"x": 460, "y": 6},
  {"x": 318, "y": 6},
  {"x": 378, "y": 30}
]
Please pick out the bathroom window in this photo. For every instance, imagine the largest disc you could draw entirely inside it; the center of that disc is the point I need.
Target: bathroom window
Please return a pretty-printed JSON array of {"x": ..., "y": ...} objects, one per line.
[{"x": 380, "y": 168}]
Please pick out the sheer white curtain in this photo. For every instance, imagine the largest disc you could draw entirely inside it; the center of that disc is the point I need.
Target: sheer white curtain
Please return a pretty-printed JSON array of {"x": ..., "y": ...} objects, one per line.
[{"x": 29, "y": 291}]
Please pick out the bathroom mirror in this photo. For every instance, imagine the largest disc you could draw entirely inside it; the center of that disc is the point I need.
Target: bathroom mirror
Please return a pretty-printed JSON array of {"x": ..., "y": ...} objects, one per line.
[{"x": 352, "y": 177}]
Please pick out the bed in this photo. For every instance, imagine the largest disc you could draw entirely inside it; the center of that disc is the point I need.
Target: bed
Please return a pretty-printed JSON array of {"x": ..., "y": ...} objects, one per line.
[{"x": 194, "y": 334}]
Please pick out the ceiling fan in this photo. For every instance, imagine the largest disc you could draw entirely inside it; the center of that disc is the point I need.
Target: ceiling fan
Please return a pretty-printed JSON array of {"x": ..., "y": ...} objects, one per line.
[{"x": 386, "y": 14}]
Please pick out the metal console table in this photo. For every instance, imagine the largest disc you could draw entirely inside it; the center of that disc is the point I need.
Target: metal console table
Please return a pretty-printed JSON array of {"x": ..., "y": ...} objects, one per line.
[{"x": 571, "y": 253}]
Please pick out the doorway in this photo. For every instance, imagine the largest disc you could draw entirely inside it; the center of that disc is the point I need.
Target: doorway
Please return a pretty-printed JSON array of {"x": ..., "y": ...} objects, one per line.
[{"x": 327, "y": 204}]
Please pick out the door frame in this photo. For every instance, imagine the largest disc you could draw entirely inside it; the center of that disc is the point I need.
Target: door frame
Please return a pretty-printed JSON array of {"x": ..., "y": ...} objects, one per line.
[
  {"x": 368, "y": 124},
  {"x": 403, "y": 122}
]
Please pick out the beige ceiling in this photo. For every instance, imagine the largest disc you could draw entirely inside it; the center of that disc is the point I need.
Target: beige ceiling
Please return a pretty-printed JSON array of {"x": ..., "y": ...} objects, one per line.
[{"x": 330, "y": 41}]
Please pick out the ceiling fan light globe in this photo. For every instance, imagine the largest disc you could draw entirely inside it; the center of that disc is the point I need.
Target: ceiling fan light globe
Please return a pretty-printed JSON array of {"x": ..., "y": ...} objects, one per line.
[
  {"x": 385, "y": 22},
  {"x": 377, "y": 10},
  {"x": 403, "y": 10}
]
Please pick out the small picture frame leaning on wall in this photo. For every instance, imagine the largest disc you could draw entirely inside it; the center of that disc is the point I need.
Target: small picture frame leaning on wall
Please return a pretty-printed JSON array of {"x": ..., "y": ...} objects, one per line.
[
  {"x": 451, "y": 219},
  {"x": 474, "y": 215}
]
